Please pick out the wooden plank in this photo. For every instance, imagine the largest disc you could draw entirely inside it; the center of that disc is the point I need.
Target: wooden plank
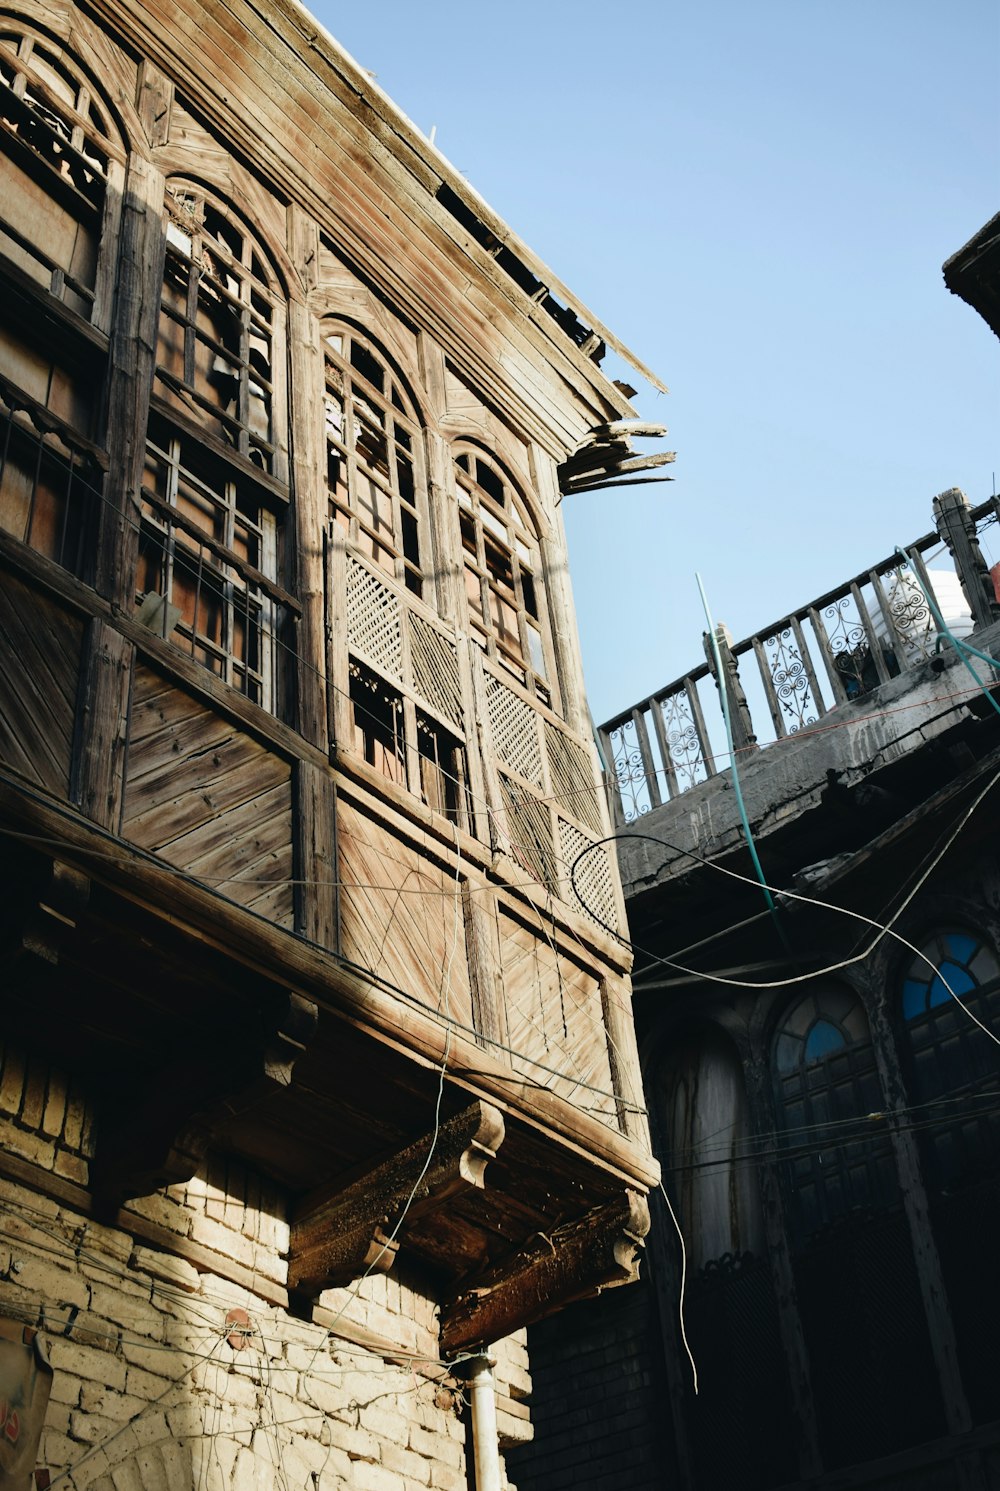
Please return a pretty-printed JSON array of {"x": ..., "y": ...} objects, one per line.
[
  {"x": 40, "y": 650},
  {"x": 102, "y": 735},
  {"x": 311, "y": 501},
  {"x": 138, "y": 274},
  {"x": 316, "y": 914},
  {"x": 402, "y": 915}
]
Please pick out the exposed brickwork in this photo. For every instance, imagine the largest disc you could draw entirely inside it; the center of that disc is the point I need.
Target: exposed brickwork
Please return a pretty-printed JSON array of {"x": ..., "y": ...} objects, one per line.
[
  {"x": 599, "y": 1408},
  {"x": 150, "y": 1395}
]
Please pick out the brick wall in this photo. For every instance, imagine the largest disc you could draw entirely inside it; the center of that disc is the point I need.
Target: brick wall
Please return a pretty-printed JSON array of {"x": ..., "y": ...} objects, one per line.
[
  {"x": 599, "y": 1406},
  {"x": 152, "y": 1387}
]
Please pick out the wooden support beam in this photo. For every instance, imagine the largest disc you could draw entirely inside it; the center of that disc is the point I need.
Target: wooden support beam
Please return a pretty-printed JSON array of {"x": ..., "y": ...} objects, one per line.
[
  {"x": 591, "y": 1253},
  {"x": 337, "y": 1235}
]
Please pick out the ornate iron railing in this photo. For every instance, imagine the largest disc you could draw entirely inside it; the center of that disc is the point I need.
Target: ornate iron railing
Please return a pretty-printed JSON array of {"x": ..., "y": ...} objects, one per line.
[{"x": 835, "y": 649}]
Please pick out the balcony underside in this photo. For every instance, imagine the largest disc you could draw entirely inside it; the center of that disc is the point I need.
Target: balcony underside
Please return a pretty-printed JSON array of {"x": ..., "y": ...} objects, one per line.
[{"x": 198, "y": 1025}]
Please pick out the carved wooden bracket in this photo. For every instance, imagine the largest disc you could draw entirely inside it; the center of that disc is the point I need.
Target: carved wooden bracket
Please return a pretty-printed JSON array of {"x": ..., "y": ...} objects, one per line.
[
  {"x": 582, "y": 1257},
  {"x": 339, "y": 1234},
  {"x": 157, "y": 1133}
]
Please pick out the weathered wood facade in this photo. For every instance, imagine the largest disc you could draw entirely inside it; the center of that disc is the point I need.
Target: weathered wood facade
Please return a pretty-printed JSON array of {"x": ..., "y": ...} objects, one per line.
[{"x": 294, "y": 751}]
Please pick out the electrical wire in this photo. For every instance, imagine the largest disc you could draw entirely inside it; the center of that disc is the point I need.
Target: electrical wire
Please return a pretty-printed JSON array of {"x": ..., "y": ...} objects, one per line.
[{"x": 882, "y": 929}]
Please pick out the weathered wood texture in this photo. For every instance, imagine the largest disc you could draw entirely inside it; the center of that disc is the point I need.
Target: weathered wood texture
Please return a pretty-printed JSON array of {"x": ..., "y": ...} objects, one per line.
[
  {"x": 602, "y": 1248},
  {"x": 555, "y": 1018},
  {"x": 40, "y": 649},
  {"x": 402, "y": 915},
  {"x": 336, "y": 1236},
  {"x": 102, "y": 724},
  {"x": 209, "y": 799}
]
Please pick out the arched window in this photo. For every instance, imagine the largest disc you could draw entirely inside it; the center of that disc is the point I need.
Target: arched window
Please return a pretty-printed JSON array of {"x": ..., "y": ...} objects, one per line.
[
  {"x": 60, "y": 193},
  {"x": 215, "y": 498},
  {"x": 951, "y": 1058},
  {"x": 221, "y": 339},
  {"x": 826, "y": 1085},
  {"x": 62, "y": 150},
  {"x": 502, "y": 568},
  {"x": 374, "y": 460}
]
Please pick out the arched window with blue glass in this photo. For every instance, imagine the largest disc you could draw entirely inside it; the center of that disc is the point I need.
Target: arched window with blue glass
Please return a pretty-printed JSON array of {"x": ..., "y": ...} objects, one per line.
[
  {"x": 954, "y": 1064},
  {"x": 836, "y": 1159}
]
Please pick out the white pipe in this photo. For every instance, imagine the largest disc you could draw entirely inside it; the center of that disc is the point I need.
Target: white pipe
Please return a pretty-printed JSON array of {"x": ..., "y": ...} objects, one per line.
[{"x": 485, "y": 1441}]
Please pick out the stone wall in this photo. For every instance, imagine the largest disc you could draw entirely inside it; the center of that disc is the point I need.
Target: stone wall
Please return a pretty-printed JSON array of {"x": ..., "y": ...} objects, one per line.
[{"x": 175, "y": 1374}]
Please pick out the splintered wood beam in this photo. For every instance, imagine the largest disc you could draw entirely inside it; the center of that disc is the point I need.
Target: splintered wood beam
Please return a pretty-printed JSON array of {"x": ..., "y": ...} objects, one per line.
[
  {"x": 594, "y": 1252},
  {"x": 338, "y": 1234}
]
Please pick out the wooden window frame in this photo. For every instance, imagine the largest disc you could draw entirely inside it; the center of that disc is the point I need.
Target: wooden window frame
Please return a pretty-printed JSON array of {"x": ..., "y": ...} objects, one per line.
[
  {"x": 390, "y": 530},
  {"x": 503, "y": 574}
]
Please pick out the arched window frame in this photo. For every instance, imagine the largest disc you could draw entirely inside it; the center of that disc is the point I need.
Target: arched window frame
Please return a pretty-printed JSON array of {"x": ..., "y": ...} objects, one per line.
[
  {"x": 947, "y": 1056},
  {"x": 223, "y": 329},
  {"x": 64, "y": 135},
  {"x": 504, "y": 585},
  {"x": 376, "y": 468},
  {"x": 825, "y": 1081},
  {"x": 215, "y": 494},
  {"x": 60, "y": 212}
]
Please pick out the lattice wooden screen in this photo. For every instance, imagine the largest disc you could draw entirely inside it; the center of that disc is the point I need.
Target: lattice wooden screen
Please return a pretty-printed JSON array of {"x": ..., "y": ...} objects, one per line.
[
  {"x": 595, "y": 875},
  {"x": 529, "y": 828},
  {"x": 514, "y": 726},
  {"x": 373, "y": 621},
  {"x": 571, "y": 772},
  {"x": 434, "y": 665}
]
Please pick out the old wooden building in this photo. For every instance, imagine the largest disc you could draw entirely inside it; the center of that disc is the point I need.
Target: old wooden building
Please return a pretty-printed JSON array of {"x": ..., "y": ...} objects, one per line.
[{"x": 318, "y": 1077}]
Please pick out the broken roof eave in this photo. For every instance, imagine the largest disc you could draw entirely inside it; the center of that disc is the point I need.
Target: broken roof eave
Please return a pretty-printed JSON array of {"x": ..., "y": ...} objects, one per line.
[{"x": 316, "y": 36}]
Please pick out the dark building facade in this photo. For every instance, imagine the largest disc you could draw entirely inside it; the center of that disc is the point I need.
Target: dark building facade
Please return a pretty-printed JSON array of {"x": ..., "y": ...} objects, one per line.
[{"x": 821, "y": 1062}]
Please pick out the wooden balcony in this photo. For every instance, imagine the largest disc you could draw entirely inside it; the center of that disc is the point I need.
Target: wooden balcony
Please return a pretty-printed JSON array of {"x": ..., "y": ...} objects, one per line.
[{"x": 240, "y": 945}]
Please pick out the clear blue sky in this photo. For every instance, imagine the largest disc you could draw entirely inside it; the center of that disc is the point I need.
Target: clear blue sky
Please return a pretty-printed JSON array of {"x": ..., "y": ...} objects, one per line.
[{"x": 757, "y": 195}]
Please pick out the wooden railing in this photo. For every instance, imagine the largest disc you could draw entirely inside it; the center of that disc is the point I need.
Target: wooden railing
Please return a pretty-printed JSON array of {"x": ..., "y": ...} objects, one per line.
[{"x": 837, "y": 648}]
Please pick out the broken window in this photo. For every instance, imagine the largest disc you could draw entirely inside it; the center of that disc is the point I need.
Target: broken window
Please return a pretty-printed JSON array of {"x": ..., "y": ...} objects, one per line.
[
  {"x": 502, "y": 587},
  {"x": 62, "y": 176},
  {"x": 208, "y": 547},
  {"x": 379, "y": 728},
  {"x": 374, "y": 460},
  {"x": 215, "y": 498},
  {"x": 406, "y": 745},
  {"x": 221, "y": 329}
]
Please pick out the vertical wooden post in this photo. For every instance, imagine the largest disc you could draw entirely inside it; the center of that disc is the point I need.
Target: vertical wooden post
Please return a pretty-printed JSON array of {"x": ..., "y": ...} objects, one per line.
[
  {"x": 739, "y": 713},
  {"x": 133, "y": 352},
  {"x": 558, "y": 595},
  {"x": 315, "y": 858},
  {"x": 489, "y": 1015},
  {"x": 309, "y": 487},
  {"x": 623, "y": 1056},
  {"x": 952, "y": 517},
  {"x": 101, "y": 744}
]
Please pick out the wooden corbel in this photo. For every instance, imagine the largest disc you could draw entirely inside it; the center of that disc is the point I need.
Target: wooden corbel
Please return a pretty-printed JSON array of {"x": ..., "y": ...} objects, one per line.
[
  {"x": 594, "y": 1252},
  {"x": 158, "y": 1131},
  {"x": 337, "y": 1235}
]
